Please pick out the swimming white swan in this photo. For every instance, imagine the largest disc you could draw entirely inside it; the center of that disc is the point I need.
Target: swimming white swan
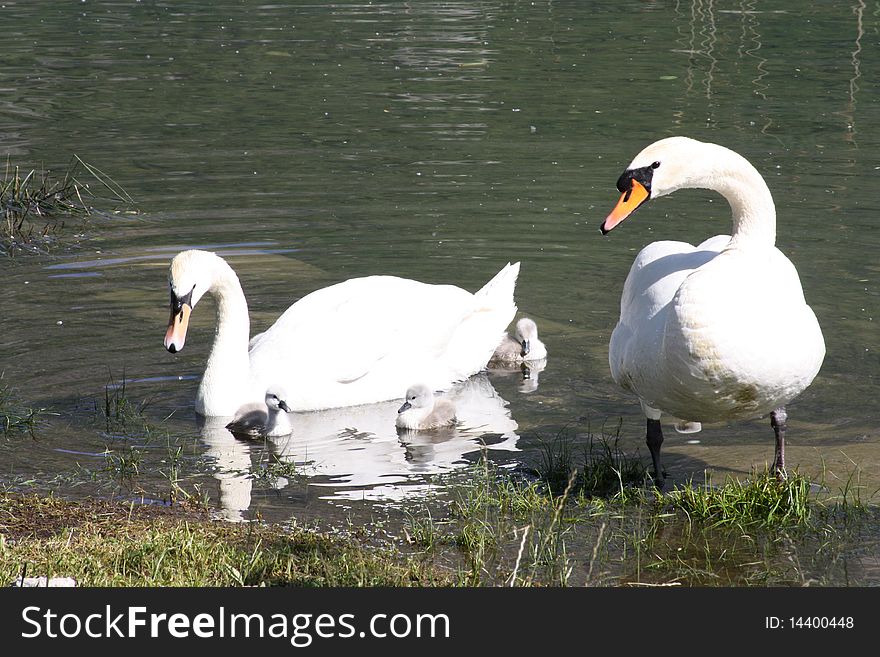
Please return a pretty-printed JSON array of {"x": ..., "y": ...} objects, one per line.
[
  {"x": 716, "y": 332},
  {"x": 355, "y": 342},
  {"x": 265, "y": 419},
  {"x": 522, "y": 346},
  {"x": 422, "y": 410}
]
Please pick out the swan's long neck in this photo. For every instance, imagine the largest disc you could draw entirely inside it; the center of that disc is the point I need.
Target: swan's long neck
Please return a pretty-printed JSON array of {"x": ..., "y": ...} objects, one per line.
[
  {"x": 754, "y": 213},
  {"x": 225, "y": 384}
]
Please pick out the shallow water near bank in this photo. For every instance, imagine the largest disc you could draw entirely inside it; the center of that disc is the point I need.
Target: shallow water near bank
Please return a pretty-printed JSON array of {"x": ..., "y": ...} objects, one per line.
[{"x": 435, "y": 141}]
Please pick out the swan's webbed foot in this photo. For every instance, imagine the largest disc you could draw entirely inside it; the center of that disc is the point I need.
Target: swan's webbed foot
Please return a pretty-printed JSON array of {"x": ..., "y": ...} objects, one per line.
[
  {"x": 778, "y": 420},
  {"x": 654, "y": 440}
]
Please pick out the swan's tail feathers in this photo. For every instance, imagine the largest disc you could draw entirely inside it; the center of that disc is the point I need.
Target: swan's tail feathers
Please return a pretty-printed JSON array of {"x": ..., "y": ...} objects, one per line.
[
  {"x": 499, "y": 291},
  {"x": 482, "y": 329}
]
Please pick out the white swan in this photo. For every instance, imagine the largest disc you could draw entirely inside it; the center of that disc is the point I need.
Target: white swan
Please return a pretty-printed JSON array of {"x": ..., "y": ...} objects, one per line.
[
  {"x": 716, "y": 332},
  {"x": 422, "y": 410},
  {"x": 266, "y": 419},
  {"x": 355, "y": 342},
  {"x": 522, "y": 346}
]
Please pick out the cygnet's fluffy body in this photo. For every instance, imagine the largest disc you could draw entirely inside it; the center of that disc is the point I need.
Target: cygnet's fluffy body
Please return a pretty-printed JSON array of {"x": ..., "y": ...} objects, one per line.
[
  {"x": 522, "y": 346},
  {"x": 421, "y": 410},
  {"x": 259, "y": 420}
]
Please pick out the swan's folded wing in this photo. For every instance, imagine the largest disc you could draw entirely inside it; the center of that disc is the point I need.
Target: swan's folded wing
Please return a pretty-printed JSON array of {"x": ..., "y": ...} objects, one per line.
[
  {"x": 343, "y": 332},
  {"x": 658, "y": 271},
  {"x": 655, "y": 277}
]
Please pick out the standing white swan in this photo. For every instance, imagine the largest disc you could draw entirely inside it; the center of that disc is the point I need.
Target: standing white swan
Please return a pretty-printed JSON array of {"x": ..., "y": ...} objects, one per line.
[
  {"x": 716, "y": 332},
  {"x": 356, "y": 342}
]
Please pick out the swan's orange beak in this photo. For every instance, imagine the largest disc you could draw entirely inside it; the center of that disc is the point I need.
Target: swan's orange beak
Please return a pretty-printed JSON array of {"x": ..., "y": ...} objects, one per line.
[
  {"x": 629, "y": 202},
  {"x": 175, "y": 336}
]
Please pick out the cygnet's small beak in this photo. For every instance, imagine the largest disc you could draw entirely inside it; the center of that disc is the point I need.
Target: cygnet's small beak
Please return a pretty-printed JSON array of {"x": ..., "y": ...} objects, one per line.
[
  {"x": 283, "y": 406},
  {"x": 525, "y": 349},
  {"x": 406, "y": 406}
]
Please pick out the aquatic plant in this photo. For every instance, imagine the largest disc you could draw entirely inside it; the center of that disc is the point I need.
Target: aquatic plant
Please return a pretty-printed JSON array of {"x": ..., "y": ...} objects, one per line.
[
  {"x": 14, "y": 417},
  {"x": 599, "y": 468},
  {"x": 34, "y": 206}
]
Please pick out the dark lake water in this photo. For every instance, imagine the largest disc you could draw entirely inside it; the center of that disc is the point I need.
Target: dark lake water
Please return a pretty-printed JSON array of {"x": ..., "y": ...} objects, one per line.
[{"x": 310, "y": 143}]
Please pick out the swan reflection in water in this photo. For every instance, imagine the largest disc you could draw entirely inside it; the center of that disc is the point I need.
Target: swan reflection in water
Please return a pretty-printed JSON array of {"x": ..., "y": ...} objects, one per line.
[
  {"x": 358, "y": 453},
  {"x": 526, "y": 372}
]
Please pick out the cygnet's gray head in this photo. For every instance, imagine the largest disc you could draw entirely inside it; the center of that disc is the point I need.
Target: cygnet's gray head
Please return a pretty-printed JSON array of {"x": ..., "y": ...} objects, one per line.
[
  {"x": 254, "y": 420},
  {"x": 526, "y": 332},
  {"x": 275, "y": 400},
  {"x": 417, "y": 396}
]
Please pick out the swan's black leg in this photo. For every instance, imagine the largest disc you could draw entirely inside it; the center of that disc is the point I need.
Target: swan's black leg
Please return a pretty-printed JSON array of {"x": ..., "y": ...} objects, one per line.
[
  {"x": 654, "y": 439},
  {"x": 778, "y": 422}
]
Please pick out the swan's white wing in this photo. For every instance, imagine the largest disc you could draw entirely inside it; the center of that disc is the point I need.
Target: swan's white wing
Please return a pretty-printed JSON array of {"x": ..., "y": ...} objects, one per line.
[
  {"x": 654, "y": 278},
  {"x": 350, "y": 334},
  {"x": 657, "y": 273},
  {"x": 366, "y": 339}
]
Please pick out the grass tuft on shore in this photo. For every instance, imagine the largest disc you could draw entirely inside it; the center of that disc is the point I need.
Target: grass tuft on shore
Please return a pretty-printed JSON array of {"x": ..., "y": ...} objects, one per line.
[{"x": 761, "y": 499}]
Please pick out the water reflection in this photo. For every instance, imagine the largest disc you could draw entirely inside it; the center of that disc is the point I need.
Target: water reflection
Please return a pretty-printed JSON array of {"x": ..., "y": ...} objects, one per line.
[
  {"x": 750, "y": 44},
  {"x": 233, "y": 465},
  {"x": 526, "y": 373},
  {"x": 850, "y": 111},
  {"x": 358, "y": 453},
  {"x": 700, "y": 40}
]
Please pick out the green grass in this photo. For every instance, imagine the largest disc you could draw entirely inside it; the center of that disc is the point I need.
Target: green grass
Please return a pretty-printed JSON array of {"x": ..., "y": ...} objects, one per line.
[
  {"x": 491, "y": 530},
  {"x": 761, "y": 499},
  {"x": 110, "y": 544},
  {"x": 497, "y": 529}
]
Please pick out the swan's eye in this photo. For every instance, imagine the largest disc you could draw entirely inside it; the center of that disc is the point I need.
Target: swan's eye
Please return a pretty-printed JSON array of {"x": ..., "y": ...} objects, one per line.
[{"x": 655, "y": 165}]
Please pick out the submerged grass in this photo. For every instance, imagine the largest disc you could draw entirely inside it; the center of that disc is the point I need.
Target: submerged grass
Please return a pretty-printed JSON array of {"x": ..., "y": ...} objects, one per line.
[
  {"x": 598, "y": 469},
  {"x": 34, "y": 206},
  {"x": 16, "y": 417},
  {"x": 119, "y": 411},
  {"x": 270, "y": 470},
  {"x": 129, "y": 435}
]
